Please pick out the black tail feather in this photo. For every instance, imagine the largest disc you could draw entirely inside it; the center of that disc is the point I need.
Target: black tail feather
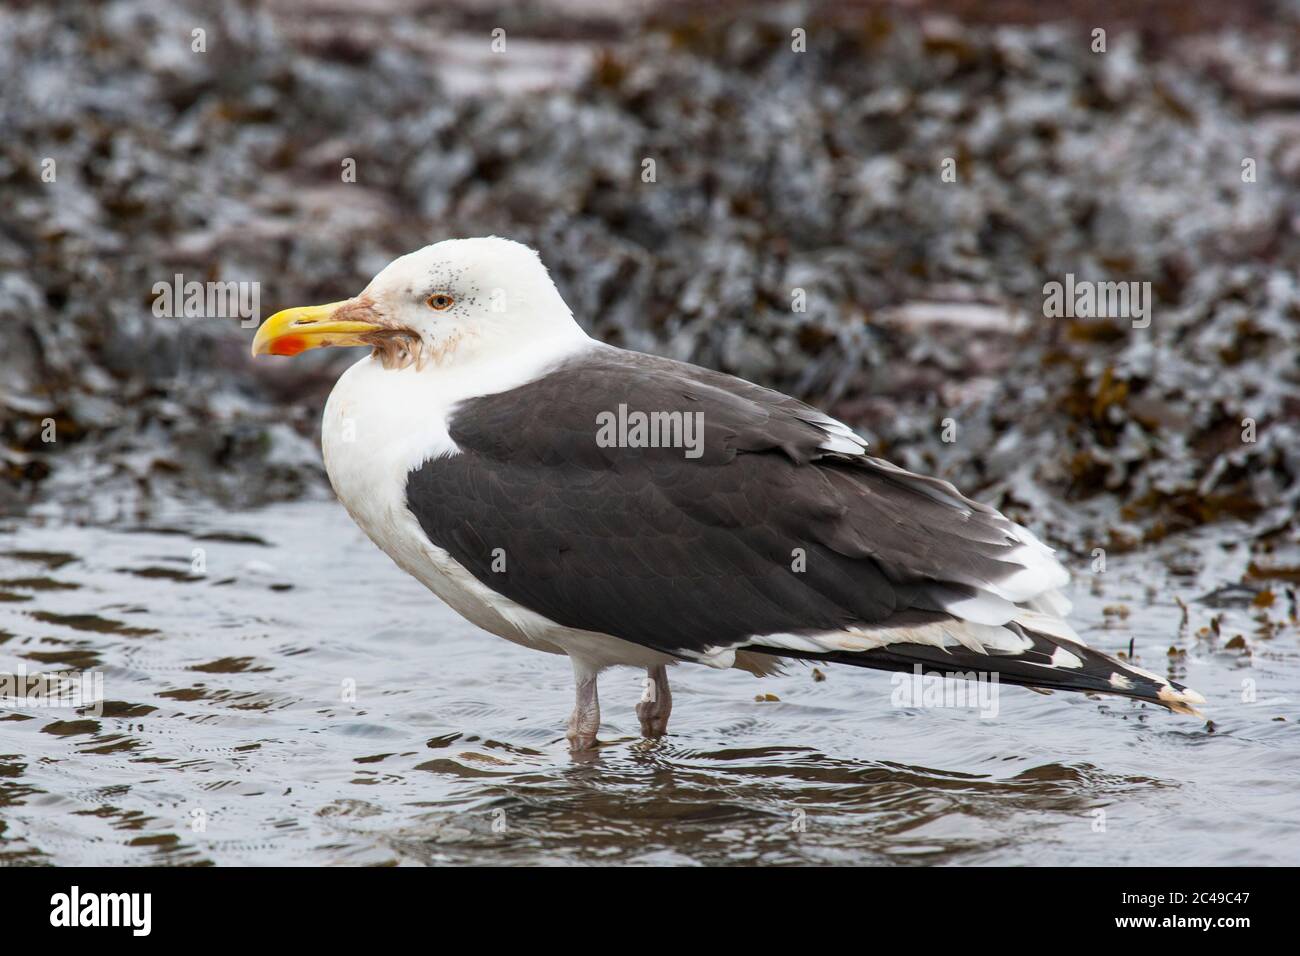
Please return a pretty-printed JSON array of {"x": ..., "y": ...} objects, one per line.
[{"x": 1049, "y": 664}]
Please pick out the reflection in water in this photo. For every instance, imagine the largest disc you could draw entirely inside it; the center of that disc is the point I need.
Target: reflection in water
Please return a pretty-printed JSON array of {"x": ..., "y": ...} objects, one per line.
[{"x": 298, "y": 700}]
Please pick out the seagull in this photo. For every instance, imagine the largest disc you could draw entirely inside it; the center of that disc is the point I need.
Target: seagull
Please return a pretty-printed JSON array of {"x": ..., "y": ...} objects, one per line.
[{"x": 625, "y": 509}]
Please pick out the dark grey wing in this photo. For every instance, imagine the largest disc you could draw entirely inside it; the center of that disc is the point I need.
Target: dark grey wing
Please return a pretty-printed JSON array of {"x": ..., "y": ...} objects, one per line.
[
  {"x": 781, "y": 535},
  {"x": 770, "y": 530}
]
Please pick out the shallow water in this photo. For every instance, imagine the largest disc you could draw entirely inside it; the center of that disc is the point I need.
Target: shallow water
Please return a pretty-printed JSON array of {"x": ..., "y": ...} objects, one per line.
[{"x": 229, "y": 735}]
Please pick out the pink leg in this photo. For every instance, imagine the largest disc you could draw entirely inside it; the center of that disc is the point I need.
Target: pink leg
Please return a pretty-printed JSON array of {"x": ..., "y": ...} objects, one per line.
[
  {"x": 656, "y": 703},
  {"x": 584, "y": 722}
]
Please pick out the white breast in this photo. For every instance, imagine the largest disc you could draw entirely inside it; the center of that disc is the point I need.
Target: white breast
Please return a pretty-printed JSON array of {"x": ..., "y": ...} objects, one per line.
[{"x": 380, "y": 424}]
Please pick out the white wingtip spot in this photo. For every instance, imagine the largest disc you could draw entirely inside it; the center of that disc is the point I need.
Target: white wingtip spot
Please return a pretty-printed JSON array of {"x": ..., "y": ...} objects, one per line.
[
  {"x": 1180, "y": 701},
  {"x": 1184, "y": 696},
  {"x": 1063, "y": 658}
]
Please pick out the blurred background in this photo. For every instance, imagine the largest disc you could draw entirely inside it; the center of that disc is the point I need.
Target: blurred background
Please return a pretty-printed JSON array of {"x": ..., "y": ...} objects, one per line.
[
  {"x": 775, "y": 171},
  {"x": 275, "y": 691}
]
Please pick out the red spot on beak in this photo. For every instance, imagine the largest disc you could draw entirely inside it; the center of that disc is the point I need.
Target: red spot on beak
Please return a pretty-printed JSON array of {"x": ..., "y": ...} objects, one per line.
[{"x": 288, "y": 345}]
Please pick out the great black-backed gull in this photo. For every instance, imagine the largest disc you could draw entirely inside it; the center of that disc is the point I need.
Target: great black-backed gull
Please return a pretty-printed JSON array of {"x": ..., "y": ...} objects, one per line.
[{"x": 625, "y": 509}]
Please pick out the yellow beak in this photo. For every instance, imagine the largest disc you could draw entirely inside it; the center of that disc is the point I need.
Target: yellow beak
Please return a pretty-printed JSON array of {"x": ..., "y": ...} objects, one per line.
[{"x": 312, "y": 327}]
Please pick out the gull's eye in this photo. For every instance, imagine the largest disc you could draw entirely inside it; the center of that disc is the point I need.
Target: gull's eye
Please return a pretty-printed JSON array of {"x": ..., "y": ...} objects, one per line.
[{"x": 440, "y": 301}]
